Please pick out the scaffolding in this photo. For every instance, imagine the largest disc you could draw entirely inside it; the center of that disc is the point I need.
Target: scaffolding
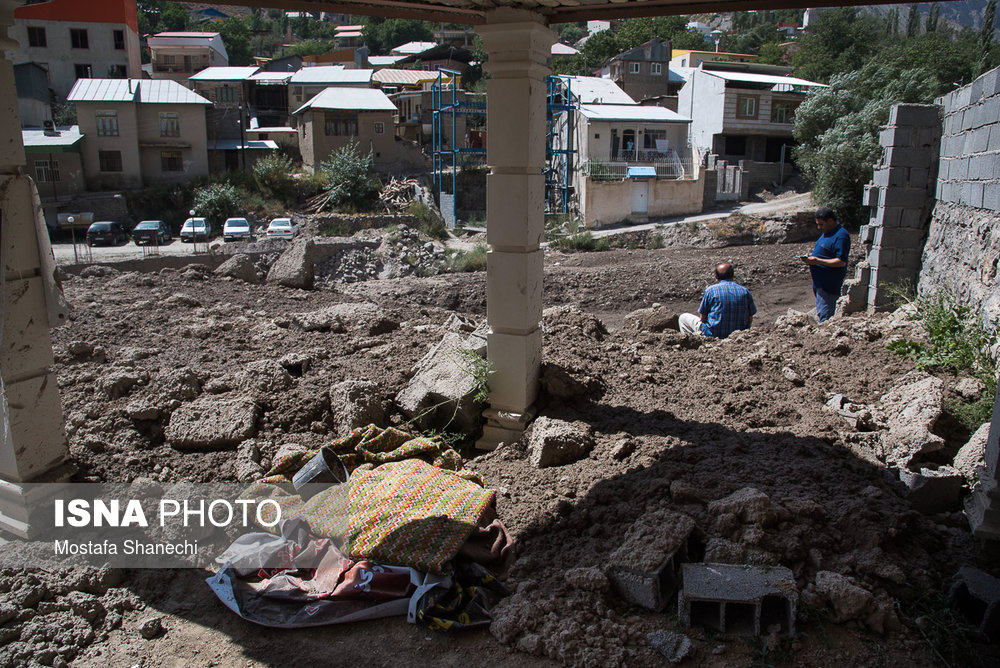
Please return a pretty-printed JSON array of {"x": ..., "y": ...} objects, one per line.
[
  {"x": 447, "y": 107},
  {"x": 560, "y": 152}
]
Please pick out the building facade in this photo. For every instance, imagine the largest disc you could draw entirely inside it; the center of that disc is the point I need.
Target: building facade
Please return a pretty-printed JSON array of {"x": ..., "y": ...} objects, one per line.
[
  {"x": 179, "y": 55},
  {"x": 338, "y": 117}
]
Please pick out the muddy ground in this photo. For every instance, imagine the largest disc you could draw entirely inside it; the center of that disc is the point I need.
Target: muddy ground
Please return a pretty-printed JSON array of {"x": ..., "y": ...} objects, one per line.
[{"x": 678, "y": 423}]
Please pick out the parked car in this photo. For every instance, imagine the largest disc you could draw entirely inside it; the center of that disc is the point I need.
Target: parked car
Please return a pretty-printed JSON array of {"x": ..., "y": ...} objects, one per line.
[
  {"x": 237, "y": 229},
  {"x": 195, "y": 229},
  {"x": 152, "y": 232},
  {"x": 106, "y": 232},
  {"x": 282, "y": 228}
]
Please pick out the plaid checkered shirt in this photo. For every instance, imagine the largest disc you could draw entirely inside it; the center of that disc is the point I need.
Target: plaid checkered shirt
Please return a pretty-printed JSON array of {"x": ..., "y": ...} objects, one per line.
[{"x": 728, "y": 306}]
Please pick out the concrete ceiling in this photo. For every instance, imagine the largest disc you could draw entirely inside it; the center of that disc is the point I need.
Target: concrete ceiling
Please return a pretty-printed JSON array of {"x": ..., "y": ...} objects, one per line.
[{"x": 473, "y": 12}]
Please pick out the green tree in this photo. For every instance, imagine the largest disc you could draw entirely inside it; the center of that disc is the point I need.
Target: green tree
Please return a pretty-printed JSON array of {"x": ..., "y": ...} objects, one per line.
[
  {"x": 352, "y": 179},
  {"x": 771, "y": 53},
  {"x": 913, "y": 21},
  {"x": 842, "y": 40},
  {"x": 173, "y": 17},
  {"x": 634, "y": 32},
  {"x": 312, "y": 47},
  {"x": 569, "y": 33},
  {"x": 837, "y": 130},
  {"x": 933, "y": 17},
  {"x": 599, "y": 48},
  {"x": 986, "y": 35},
  {"x": 217, "y": 201},
  {"x": 383, "y": 35},
  {"x": 236, "y": 36}
]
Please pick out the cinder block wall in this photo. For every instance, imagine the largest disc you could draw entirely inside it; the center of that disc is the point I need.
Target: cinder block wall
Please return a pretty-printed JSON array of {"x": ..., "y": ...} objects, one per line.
[{"x": 962, "y": 252}]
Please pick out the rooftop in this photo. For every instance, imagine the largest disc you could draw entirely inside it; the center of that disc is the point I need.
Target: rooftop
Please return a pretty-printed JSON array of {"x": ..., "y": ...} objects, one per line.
[
  {"x": 225, "y": 74},
  {"x": 775, "y": 80},
  {"x": 330, "y": 75},
  {"x": 405, "y": 77},
  {"x": 144, "y": 91},
  {"x": 357, "y": 99},
  {"x": 38, "y": 141},
  {"x": 631, "y": 112},
  {"x": 594, "y": 90},
  {"x": 411, "y": 48}
]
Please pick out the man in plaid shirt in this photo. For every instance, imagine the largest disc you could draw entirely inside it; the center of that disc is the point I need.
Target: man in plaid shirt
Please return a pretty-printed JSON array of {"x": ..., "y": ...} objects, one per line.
[{"x": 725, "y": 307}]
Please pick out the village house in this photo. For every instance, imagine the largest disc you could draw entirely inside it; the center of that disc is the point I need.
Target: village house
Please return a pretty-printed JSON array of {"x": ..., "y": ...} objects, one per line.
[
  {"x": 339, "y": 116},
  {"x": 692, "y": 58},
  {"x": 55, "y": 161},
  {"x": 310, "y": 81},
  {"x": 178, "y": 55},
  {"x": 78, "y": 40},
  {"x": 437, "y": 57},
  {"x": 644, "y": 71},
  {"x": 140, "y": 132}
]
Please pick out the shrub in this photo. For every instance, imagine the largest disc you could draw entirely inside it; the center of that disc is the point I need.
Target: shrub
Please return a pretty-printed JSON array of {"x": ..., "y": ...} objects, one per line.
[
  {"x": 352, "y": 183},
  {"x": 428, "y": 222},
  {"x": 583, "y": 241},
  {"x": 465, "y": 261},
  {"x": 218, "y": 201},
  {"x": 273, "y": 175}
]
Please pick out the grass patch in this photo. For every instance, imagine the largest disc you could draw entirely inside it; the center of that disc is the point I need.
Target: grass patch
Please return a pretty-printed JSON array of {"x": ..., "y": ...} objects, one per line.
[
  {"x": 735, "y": 225},
  {"x": 581, "y": 242},
  {"x": 466, "y": 261},
  {"x": 428, "y": 222}
]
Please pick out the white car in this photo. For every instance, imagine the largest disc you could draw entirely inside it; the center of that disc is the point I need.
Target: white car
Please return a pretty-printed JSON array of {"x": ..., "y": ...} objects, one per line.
[
  {"x": 237, "y": 229},
  {"x": 282, "y": 228},
  {"x": 195, "y": 229}
]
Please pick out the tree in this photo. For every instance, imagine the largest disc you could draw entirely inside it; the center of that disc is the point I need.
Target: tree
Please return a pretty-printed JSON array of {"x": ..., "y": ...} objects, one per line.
[
  {"x": 570, "y": 33},
  {"x": 986, "y": 34},
  {"x": 352, "y": 179},
  {"x": 837, "y": 130},
  {"x": 933, "y": 17},
  {"x": 236, "y": 36},
  {"x": 312, "y": 47},
  {"x": 842, "y": 40},
  {"x": 913, "y": 22},
  {"x": 173, "y": 17},
  {"x": 382, "y": 35},
  {"x": 599, "y": 48}
]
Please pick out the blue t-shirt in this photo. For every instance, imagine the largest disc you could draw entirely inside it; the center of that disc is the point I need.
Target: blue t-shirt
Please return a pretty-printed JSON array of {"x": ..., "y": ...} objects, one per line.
[
  {"x": 728, "y": 306},
  {"x": 834, "y": 244}
]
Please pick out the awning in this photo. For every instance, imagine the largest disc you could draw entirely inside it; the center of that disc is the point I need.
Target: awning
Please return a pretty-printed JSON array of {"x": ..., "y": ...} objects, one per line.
[
  {"x": 642, "y": 172},
  {"x": 234, "y": 145}
]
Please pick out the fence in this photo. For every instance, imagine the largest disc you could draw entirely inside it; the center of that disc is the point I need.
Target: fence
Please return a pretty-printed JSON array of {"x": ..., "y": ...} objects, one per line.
[{"x": 618, "y": 171}]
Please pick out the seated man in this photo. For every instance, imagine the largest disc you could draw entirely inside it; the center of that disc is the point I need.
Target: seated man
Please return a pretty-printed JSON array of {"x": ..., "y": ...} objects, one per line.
[{"x": 725, "y": 307}]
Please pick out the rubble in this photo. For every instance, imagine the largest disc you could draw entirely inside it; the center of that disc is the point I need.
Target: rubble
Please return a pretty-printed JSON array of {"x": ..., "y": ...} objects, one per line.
[
  {"x": 354, "y": 404},
  {"x": 556, "y": 442},
  {"x": 976, "y": 595},
  {"x": 295, "y": 267},
  {"x": 910, "y": 412},
  {"x": 239, "y": 266},
  {"x": 440, "y": 393},
  {"x": 356, "y": 317},
  {"x": 213, "y": 422},
  {"x": 741, "y": 600},
  {"x": 674, "y": 646},
  {"x": 645, "y": 569},
  {"x": 655, "y": 319},
  {"x": 972, "y": 455},
  {"x": 933, "y": 490}
]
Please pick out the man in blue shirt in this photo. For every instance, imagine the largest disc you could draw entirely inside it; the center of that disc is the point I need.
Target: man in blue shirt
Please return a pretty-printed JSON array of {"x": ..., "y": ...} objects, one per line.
[
  {"x": 725, "y": 307},
  {"x": 828, "y": 262}
]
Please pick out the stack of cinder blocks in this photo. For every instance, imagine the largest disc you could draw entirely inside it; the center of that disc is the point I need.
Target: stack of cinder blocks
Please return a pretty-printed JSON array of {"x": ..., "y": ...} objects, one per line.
[
  {"x": 901, "y": 197},
  {"x": 738, "y": 599}
]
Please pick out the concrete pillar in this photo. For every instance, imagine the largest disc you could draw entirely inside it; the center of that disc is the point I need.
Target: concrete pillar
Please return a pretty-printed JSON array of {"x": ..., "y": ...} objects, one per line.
[
  {"x": 518, "y": 44},
  {"x": 32, "y": 442},
  {"x": 983, "y": 507}
]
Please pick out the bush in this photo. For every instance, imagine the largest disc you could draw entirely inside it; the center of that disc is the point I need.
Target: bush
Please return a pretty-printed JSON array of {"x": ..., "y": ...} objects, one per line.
[
  {"x": 352, "y": 183},
  {"x": 218, "y": 201},
  {"x": 466, "y": 261},
  {"x": 273, "y": 176},
  {"x": 583, "y": 241},
  {"x": 428, "y": 222}
]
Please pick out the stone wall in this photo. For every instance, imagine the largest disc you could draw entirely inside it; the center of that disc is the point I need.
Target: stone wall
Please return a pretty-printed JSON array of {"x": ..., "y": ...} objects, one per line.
[{"x": 962, "y": 252}]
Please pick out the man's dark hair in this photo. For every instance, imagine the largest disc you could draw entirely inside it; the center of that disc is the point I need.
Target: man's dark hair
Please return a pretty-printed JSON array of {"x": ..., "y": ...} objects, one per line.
[
  {"x": 724, "y": 272},
  {"x": 824, "y": 213}
]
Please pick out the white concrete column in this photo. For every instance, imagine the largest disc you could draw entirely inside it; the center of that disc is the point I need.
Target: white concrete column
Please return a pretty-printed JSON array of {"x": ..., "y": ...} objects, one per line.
[
  {"x": 983, "y": 507},
  {"x": 519, "y": 45},
  {"x": 32, "y": 441}
]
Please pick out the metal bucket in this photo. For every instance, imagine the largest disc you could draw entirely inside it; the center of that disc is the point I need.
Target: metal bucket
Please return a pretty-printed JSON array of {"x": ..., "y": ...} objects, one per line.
[{"x": 322, "y": 471}]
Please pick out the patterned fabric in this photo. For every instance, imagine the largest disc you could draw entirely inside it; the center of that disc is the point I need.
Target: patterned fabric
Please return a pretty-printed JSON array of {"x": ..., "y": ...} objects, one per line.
[
  {"x": 404, "y": 512},
  {"x": 728, "y": 306}
]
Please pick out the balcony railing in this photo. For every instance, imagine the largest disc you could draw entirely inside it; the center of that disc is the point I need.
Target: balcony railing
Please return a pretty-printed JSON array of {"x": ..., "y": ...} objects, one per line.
[{"x": 667, "y": 164}]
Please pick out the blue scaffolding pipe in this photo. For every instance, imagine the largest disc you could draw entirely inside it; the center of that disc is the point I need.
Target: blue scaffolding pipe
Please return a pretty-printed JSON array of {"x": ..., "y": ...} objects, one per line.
[
  {"x": 560, "y": 100},
  {"x": 449, "y": 110}
]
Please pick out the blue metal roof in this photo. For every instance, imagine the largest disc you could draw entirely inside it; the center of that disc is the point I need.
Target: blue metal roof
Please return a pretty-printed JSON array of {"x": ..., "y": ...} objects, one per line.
[{"x": 641, "y": 172}]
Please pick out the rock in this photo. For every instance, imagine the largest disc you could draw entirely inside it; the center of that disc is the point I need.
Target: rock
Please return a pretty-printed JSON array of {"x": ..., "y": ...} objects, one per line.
[
  {"x": 211, "y": 422},
  {"x": 354, "y": 404},
  {"x": 441, "y": 390},
  {"x": 656, "y": 319},
  {"x": 295, "y": 268},
  {"x": 265, "y": 377},
  {"x": 587, "y": 579},
  {"x": 556, "y": 442},
  {"x": 115, "y": 384},
  {"x": 559, "y": 383},
  {"x": 792, "y": 377},
  {"x": 675, "y": 646},
  {"x": 622, "y": 449},
  {"x": 933, "y": 491},
  {"x": 569, "y": 318},
  {"x": 910, "y": 412},
  {"x": 98, "y": 271},
  {"x": 246, "y": 466},
  {"x": 973, "y": 453},
  {"x": 81, "y": 350},
  {"x": 141, "y": 410},
  {"x": 358, "y": 317},
  {"x": 287, "y": 450},
  {"x": 748, "y": 504},
  {"x": 151, "y": 627},
  {"x": 240, "y": 267},
  {"x": 296, "y": 363},
  {"x": 180, "y": 299},
  {"x": 792, "y": 319},
  {"x": 848, "y": 600},
  {"x": 970, "y": 389},
  {"x": 181, "y": 384},
  {"x": 682, "y": 491}
]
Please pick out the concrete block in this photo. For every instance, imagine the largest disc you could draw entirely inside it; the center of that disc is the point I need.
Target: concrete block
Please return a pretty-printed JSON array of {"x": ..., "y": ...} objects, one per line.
[
  {"x": 741, "y": 600},
  {"x": 905, "y": 197},
  {"x": 25, "y": 349},
  {"x": 870, "y": 195},
  {"x": 976, "y": 195},
  {"x": 968, "y": 119},
  {"x": 880, "y": 177},
  {"x": 933, "y": 491},
  {"x": 510, "y": 389},
  {"x": 990, "y": 83},
  {"x": 979, "y": 142},
  {"x": 918, "y": 177},
  {"x": 908, "y": 157},
  {"x": 976, "y": 595},
  {"x": 959, "y": 169},
  {"x": 874, "y": 256},
  {"x": 925, "y": 137},
  {"x": 990, "y": 110},
  {"x": 994, "y": 141},
  {"x": 914, "y": 114},
  {"x": 938, "y": 189},
  {"x": 976, "y": 91},
  {"x": 37, "y": 440},
  {"x": 867, "y": 234},
  {"x": 913, "y": 219},
  {"x": 952, "y": 123},
  {"x": 518, "y": 201},
  {"x": 888, "y": 216},
  {"x": 645, "y": 569},
  {"x": 908, "y": 258},
  {"x": 955, "y": 145},
  {"x": 514, "y": 290},
  {"x": 991, "y": 196},
  {"x": 894, "y": 135}
]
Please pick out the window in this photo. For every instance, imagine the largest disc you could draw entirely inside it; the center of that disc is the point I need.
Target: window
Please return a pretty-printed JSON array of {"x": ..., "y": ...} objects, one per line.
[
  {"x": 341, "y": 126},
  {"x": 119, "y": 37},
  {"x": 46, "y": 171},
  {"x": 746, "y": 107},
  {"x": 633, "y": 68},
  {"x": 83, "y": 71},
  {"x": 116, "y": 71},
  {"x": 170, "y": 124},
  {"x": 656, "y": 68},
  {"x": 684, "y": 62},
  {"x": 170, "y": 161},
  {"x": 783, "y": 112},
  {"x": 110, "y": 161},
  {"x": 36, "y": 37},
  {"x": 107, "y": 123},
  {"x": 168, "y": 59},
  {"x": 379, "y": 128},
  {"x": 650, "y": 137},
  {"x": 224, "y": 94},
  {"x": 78, "y": 38}
]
